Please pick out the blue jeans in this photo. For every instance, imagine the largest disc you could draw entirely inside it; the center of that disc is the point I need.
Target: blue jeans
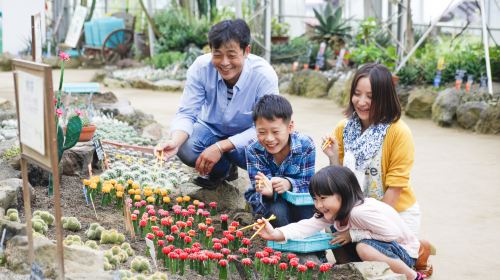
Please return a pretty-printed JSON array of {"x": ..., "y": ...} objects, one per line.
[
  {"x": 200, "y": 139},
  {"x": 284, "y": 211},
  {"x": 391, "y": 249}
]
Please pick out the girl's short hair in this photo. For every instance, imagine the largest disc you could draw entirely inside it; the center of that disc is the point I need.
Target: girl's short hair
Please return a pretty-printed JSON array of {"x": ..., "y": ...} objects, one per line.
[
  {"x": 385, "y": 106},
  {"x": 339, "y": 180}
]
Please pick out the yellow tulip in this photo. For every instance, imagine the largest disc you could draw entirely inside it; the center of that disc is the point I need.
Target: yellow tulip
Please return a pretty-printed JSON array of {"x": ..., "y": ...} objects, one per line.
[
  {"x": 130, "y": 181},
  {"x": 137, "y": 197},
  {"x": 196, "y": 202},
  {"x": 131, "y": 192},
  {"x": 135, "y": 186},
  {"x": 106, "y": 189},
  {"x": 119, "y": 194},
  {"x": 119, "y": 187},
  {"x": 137, "y": 191},
  {"x": 164, "y": 193},
  {"x": 186, "y": 198},
  {"x": 113, "y": 182},
  {"x": 166, "y": 199},
  {"x": 179, "y": 199},
  {"x": 93, "y": 185},
  {"x": 86, "y": 182},
  {"x": 150, "y": 199}
]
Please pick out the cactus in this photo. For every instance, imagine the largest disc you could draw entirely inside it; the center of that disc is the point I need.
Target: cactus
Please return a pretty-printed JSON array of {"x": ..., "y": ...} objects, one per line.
[
  {"x": 112, "y": 237},
  {"x": 71, "y": 240},
  {"x": 128, "y": 249},
  {"x": 39, "y": 225},
  {"x": 92, "y": 244},
  {"x": 94, "y": 232},
  {"x": 13, "y": 215},
  {"x": 158, "y": 276},
  {"x": 45, "y": 216},
  {"x": 71, "y": 223},
  {"x": 140, "y": 264}
]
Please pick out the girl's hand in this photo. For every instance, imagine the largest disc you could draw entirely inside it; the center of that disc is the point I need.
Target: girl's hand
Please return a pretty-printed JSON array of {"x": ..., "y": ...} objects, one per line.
[
  {"x": 341, "y": 238},
  {"x": 330, "y": 147},
  {"x": 280, "y": 185},
  {"x": 268, "y": 232},
  {"x": 266, "y": 188}
]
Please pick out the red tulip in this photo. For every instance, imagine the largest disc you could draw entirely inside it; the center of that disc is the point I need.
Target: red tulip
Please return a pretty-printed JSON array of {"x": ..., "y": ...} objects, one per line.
[
  {"x": 283, "y": 266},
  {"x": 246, "y": 261},
  {"x": 325, "y": 267},
  {"x": 302, "y": 268},
  {"x": 223, "y": 263}
]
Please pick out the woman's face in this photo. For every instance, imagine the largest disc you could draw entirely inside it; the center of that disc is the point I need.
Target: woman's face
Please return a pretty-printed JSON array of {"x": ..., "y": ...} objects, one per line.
[{"x": 362, "y": 101}]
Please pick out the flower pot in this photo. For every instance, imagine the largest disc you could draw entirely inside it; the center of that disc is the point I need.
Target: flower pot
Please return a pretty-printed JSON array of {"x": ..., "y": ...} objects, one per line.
[
  {"x": 279, "y": 39},
  {"x": 87, "y": 133}
]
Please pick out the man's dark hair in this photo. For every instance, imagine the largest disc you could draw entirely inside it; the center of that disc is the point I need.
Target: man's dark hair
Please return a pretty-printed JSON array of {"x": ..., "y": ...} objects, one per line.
[
  {"x": 385, "y": 106},
  {"x": 271, "y": 107},
  {"x": 229, "y": 30},
  {"x": 339, "y": 180}
]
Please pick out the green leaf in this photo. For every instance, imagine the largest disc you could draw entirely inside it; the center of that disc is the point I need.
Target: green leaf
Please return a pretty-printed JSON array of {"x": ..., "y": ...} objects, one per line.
[
  {"x": 73, "y": 130},
  {"x": 60, "y": 142}
]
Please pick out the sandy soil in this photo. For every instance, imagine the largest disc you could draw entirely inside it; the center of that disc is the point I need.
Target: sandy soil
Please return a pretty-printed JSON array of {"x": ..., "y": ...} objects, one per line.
[{"x": 455, "y": 176}]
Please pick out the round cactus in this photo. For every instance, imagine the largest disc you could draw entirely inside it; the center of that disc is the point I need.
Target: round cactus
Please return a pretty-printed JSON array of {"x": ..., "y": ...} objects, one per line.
[
  {"x": 94, "y": 232},
  {"x": 39, "y": 225},
  {"x": 13, "y": 215},
  {"x": 45, "y": 215},
  {"x": 71, "y": 240},
  {"x": 140, "y": 264},
  {"x": 92, "y": 244},
  {"x": 112, "y": 237},
  {"x": 158, "y": 276},
  {"x": 71, "y": 223}
]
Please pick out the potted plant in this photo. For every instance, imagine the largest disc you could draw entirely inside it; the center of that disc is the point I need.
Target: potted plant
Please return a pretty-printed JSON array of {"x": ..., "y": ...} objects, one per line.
[
  {"x": 331, "y": 27},
  {"x": 279, "y": 31},
  {"x": 88, "y": 130}
]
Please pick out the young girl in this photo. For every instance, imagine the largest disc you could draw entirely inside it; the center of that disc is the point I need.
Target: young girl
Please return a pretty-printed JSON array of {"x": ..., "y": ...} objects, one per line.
[
  {"x": 378, "y": 147},
  {"x": 376, "y": 229}
]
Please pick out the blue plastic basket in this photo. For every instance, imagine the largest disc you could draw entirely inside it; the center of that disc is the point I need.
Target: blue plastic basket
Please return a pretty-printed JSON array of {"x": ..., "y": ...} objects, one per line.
[
  {"x": 318, "y": 242},
  {"x": 299, "y": 199}
]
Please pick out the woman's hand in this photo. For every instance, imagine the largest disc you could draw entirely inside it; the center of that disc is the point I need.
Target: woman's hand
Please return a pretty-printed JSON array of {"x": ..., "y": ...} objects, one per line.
[
  {"x": 268, "y": 232},
  {"x": 330, "y": 147},
  {"x": 341, "y": 238},
  {"x": 263, "y": 185}
]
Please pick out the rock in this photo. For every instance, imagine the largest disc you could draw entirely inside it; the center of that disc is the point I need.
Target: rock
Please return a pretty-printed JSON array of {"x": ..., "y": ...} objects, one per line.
[
  {"x": 6, "y": 171},
  {"x": 6, "y": 61},
  {"x": 403, "y": 94},
  {"x": 309, "y": 83},
  {"x": 9, "y": 133},
  {"x": 115, "y": 83},
  {"x": 168, "y": 85},
  {"x": 375, "y": 270},
  {"x": 6, "y": 145},
  {"x": 5, "y": 104},
  {"x": 122, "y": 107},
  {"x": 489, "y": 121},
  {"x": 244, "y": 218},
  {"x": 15, "y": 162},
  {"x": 420, "y": 103},
  {"x": 229, "y": 195},
  {"x": 340, "y": 91},
  {"x": 138, "y": 119},
  {"x": 468, "y": 113},
  {"x": 7, "y": 115},
  {"x": 38, "y": 176},
  {"x": 128, "y": 63},
  {"x": 75, "y": 161},
  {"x": 104, "y": 97},
  {"x": 11, "y": 193},
  {"x": 141, "y": 84},
  {"x": 13, "y": 228},
  {"x": 77, "y": 259},
  {"x": 155, "y": 132},
  {"x": 284, "y": 87},
  {"x": 445, "y": 107},
  {"x": 99, "y": 76}
]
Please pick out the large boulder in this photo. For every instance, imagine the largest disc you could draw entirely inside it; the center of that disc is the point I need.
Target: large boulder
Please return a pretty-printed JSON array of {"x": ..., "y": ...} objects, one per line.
[
  {"x": 11, "y": 193},
  {"x": 78, "y": 260},
  {"x": 6, "y": 61},
  {"x": 445, "y": 107},
  {"x": 468, "y": 113},
  {"x": 7, "y": 172},
  {"x": 341, "y": 89},
  {"x": 12, "y": 228},
  {"x": 5, "y": 104},
  {"x": 75, "y": 161},
  {"x": 420, "y": 103},
  {"x": 489, "y": 120},
  {"x": 229, "y": 195},
  {"x": 155, "y": 132},
  {"x": 309, "y": 83},
  {"x": 168, "y": 85}
]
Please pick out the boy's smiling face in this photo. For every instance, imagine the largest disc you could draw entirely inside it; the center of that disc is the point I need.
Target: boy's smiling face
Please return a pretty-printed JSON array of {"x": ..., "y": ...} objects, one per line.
[{"x": 274, "y": 135}]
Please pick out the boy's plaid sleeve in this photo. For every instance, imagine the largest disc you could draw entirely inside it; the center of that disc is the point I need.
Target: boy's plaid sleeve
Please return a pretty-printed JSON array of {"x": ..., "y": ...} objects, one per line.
[{"x": 300, "y": 183}]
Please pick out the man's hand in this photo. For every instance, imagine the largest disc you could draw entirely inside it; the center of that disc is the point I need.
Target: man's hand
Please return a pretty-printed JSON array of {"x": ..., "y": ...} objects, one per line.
[
  {"x": 207, "y": 159},
  {"x": 169, "y": 149},
  {"x": 341, "y": 238},
  {"x": 266, "y": 188},
  {"x": 280, "y": 185}
]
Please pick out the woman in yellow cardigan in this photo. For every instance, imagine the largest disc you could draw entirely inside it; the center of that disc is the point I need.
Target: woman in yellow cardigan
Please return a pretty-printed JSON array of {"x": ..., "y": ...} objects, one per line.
[{"x": 378, "y": 147}]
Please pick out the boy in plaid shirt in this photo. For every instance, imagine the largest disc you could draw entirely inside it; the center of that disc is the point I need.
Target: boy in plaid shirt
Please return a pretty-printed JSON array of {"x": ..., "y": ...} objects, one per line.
[{"x": 279, "y": 160}]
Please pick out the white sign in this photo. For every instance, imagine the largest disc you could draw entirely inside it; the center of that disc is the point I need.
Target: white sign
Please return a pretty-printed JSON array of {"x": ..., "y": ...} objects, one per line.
[
  {"x": 31, "y": 111},
  {"x": 75, "y": 27},
  {"x": 152, "y": 251}
]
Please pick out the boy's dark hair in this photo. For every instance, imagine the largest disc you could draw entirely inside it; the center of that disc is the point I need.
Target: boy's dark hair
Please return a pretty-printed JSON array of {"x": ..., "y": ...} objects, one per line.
[
  {"x": 271, "y": 107},
  {"x": 385, "y": 106},
  {"x": 229, "y": 30},
  {"x": 339, "y": 180}
]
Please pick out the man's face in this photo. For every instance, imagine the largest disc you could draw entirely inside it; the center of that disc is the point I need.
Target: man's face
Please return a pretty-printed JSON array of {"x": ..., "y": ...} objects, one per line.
[{"x": 229, "y": 60}]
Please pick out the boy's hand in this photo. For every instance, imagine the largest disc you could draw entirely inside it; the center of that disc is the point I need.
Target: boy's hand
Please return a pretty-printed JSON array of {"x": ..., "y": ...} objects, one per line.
[
  {"x": 268, "y": 232},
  {"x": 341, "y": 238},
  {"x": 266, "y": 188},
  {"x": 280, "y": 185}
]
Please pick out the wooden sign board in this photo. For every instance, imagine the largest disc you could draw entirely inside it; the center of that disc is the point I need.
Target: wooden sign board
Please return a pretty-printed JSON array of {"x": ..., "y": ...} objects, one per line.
[
  {"x": 34, "y": 102},
  {"x": 38, "y": 140},
  {"x": 75, "y": 27}
]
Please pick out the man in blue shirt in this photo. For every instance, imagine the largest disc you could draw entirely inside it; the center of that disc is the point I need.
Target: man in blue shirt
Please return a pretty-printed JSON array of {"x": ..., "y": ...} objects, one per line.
[{"x": 214, "y": 122}]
